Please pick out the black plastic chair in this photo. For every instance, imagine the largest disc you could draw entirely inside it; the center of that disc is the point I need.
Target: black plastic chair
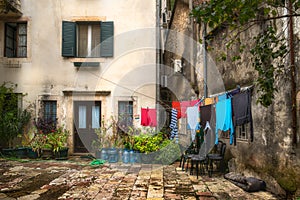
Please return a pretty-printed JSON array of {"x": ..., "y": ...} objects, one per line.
[
  {"x": 186, "y": 156},
  {"x": 198, "y": 160},
  {"x": 217, "y": 159}
]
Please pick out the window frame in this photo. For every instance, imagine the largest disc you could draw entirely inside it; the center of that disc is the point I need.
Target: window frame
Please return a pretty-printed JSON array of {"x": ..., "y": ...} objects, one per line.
[
  {"x": 128, "y": 114},
  {"x": 15, "y": 39},
  {"x": 70, "y": 46},
  {"x": 52, "y": 116},
  {"x": 243, "y": 132}
]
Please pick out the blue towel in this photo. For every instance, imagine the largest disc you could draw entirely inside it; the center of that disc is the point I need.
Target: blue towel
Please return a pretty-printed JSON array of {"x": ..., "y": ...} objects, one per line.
[
  {"x": 222, "y": 97},
  {"x": 224, "y": 118}
]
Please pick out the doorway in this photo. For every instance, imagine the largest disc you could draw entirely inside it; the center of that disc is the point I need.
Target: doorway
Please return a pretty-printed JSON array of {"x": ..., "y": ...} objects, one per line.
[{"x": 87, "y": 118}]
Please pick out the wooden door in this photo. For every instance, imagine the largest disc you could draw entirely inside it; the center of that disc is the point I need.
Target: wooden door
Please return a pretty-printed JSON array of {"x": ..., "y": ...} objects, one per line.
[{"x": 87, "y": 116}]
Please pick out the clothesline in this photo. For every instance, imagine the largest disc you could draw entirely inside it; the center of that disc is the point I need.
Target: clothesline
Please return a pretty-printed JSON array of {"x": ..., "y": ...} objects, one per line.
[{"x": 231, "y": 108}]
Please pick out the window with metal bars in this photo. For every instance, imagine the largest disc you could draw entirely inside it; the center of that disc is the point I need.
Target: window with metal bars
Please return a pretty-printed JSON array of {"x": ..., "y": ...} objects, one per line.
[{"x": 50, "y": 111}]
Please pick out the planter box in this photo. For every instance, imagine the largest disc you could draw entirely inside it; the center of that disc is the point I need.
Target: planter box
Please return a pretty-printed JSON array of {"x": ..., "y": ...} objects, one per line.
[
  {"x": 62, "y": 154},
  {"x": 21, "y": 152},
  {"x": 146, "y": 158},
  {"x": 9, "y": 152},
  {"x": 47, "y": 154},
  {"x": 32, "y": 154}
]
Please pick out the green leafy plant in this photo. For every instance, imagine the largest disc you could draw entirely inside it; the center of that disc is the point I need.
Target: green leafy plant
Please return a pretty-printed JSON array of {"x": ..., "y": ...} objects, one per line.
[
  {"x": 107, "y": 135},
  {"x": 267, "y": 46},
  {"x": 12, "y": 119},
  {"x": 57, "y": 139},
  {"x": 146, "y": 143}
]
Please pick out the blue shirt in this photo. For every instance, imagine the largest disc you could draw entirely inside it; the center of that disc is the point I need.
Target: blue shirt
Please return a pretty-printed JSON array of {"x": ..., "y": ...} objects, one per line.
[{"x": 224, "y": 118}]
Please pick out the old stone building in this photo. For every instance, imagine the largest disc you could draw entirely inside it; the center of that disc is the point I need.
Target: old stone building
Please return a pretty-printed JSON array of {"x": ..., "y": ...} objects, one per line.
[
  {"x": 274, "y": 153},
  {"x": 51, "y": 50}
]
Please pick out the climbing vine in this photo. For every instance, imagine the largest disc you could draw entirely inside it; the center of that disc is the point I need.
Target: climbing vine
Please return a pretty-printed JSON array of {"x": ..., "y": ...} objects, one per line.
[{"x": 269, "y": 48}]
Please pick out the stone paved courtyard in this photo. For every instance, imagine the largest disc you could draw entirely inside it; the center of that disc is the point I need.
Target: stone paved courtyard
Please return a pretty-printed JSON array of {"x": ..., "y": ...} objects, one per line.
[{"x": 76, "y": 179}]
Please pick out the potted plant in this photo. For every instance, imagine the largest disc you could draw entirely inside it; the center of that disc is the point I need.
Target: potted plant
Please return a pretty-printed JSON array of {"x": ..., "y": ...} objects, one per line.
[
  {"x": 58, "y": 141},
  {"x": 12, "y": 119},
  {"x": 100, "y": 144},
  {"x": 37, "y": 144},
  {"x": 44, "y": 141},
  {"x": 108, "y": 140},
  {"x": 148, "y": 143}
]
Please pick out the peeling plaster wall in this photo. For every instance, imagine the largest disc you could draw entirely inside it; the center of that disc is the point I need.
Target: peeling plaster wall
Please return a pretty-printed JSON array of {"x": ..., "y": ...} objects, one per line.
[{"x": 45, "y": 74}]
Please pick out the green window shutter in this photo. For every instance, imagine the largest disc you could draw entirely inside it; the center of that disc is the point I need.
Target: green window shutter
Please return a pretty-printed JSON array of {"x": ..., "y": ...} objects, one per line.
[
  {"x": 107, "y": 39},
  {"x": 68, "y": 39}
]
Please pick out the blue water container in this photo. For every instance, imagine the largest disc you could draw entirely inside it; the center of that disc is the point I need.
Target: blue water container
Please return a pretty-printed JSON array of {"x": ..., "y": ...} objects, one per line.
[
  {"x": 104, "y": 155},
  {"x": 126, "y": 157},
  {"x": 132, "y": 156}
]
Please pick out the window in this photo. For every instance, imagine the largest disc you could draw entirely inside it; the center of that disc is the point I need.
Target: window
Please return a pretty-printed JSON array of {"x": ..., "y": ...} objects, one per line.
[
  {"x": 50, "y": 111},
  {"x": 15, "y": 40},
  {"x": 243, "y": 131},
  {"x": 87, "y": 39},
  {"x": 125, "y": 113},
  {"x": 12, "y": 103}
]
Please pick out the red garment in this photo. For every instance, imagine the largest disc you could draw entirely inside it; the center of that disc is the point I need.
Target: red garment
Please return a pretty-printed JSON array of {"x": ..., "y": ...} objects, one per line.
[
  {"x": 176, "y": 105},
  {"x": 144, "y": 117},
  {"x": 185, "y": 104},
  {"x": 148, "y": 117},
  {"x": 152, "y": 117}
]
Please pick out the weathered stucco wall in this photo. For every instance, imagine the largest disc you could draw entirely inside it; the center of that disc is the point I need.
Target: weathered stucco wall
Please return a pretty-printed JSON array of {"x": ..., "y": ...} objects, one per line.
[{"x": 180, "y": 44}]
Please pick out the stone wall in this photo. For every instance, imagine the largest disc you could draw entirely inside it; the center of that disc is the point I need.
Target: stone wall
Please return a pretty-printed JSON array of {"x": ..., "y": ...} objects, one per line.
[{"x": 271, "y": 156}]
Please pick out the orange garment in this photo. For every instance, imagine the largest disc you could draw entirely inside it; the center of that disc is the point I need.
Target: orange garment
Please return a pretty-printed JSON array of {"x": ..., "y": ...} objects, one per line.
[{"x": 209, "y": 101}]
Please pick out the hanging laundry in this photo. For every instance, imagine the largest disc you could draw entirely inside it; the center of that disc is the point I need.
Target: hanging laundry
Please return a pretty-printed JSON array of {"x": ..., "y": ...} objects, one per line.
[
  {"x": 148, "y": 117},
  {"x": 173, "y": 125},
  {"x": 207, "y": 126},
  {"x": 222, "y": 97},
  {"x": 209, "y": 101},
  {"x": 176, "y": 105},
  {"x": 185, "y": 104},
  {"x": 242, "y": 114},
  {"x": 205, "y": 114},
  {"x": 193, "y": 119},
  {"x": 233, "y": 92},
  {"x": 224, "y": 118},
  {"x": 152, "y": 117}
]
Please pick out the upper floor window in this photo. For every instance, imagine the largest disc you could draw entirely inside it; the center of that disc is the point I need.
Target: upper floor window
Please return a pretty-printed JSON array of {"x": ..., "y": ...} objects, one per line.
[
  {"x": 15, "y": 40},
  {"x": 87, "y": 39}
]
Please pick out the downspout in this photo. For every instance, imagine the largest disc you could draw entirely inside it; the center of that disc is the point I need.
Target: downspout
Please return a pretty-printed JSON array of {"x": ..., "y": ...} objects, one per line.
[
  {"x": 192, "y": 64},
  {"x": 293, "y": 73},
  {"x": 158, "y": 60},
  {"x": 204, "y": 60}
]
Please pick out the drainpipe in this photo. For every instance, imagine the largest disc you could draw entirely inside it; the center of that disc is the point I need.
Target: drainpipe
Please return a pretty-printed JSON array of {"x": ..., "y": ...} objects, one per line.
[
  {"x": 204, "y": 60},
  {"x": 158, "y": 53},
  {"x": 293, "y": 73},
  {"x": 192, "y": 47}
]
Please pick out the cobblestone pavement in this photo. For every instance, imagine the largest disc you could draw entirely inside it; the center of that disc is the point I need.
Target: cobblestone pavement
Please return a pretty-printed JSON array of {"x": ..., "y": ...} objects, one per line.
[{"x": 76, "y": 179}]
